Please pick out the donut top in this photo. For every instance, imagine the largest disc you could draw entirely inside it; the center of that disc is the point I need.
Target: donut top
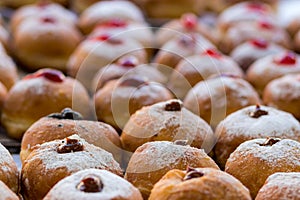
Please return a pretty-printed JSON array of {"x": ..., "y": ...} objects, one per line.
[
  {"x": 128, "y": 61},
  {"x": 106, "y": 38},
  {"x": 94, "y": 183},
  {"x": 287, "y": 59},
  {"x": 113, "y": 23},
  {"x": 74, "y": 154},
  {"x": 48, "y": 74},
  {"x": 262, "y": 120},
  {"x": 212, "y": 53},
  {"x": 153, "y": 156},
  {"x": 67, "y": 113},
  {"x": 259, "y": 43},
  {"x": 189, "y": 21},
  {"x": 273, "y": 151},
  {"x": 286, "y": 185}
]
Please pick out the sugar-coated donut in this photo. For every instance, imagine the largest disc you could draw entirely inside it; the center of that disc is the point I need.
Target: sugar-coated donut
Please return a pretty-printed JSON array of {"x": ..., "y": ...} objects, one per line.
[
  {"x": 268, "y": 68},
  {"x": 250, "y": 123},
  {"x": 153, "y": 159},
  {"x": 196, "y": 68},
  {"x": 199, "y": 184},
  {"x": 98, "y": 51},
  {"x": 39, "y": 94},
  {"x": 284, "y": 93},
  {"x": 9, "y": 174},
  {"x": 52, "y": 161},
  {"x": 93, "y": 184},
  {"x": 280, "y": 186},
  {"x": 119, "y": 99},
  {"x": 104, "y": 11},
  {"x": 67, "y": 123},
  {"x": 219, "y": 96},
  {"x": 248, "y": 52},
  {"x": 45, "y": 41},
  {"x": 167, "y": 120},
  {"x": 254, "y": 160}
]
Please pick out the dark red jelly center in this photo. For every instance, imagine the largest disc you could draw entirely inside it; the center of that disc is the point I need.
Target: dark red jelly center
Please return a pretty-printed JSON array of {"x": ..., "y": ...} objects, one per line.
[
  {"x": 107, "y": 38},
  {"x": 266, "y": 25},
  {"x": 259, "y": 43},
  {"x": 115, "y": 23},
  {"x": 213, "y": 53},
  {"x": 49, "y": 20},
  {"x": 189, "y": 21},
  {"x": 50, "y": 74},
  {"x": 90, "y": 184},
  {"x": 128, "y": 62},
  {"x": 289, "y": 58}
]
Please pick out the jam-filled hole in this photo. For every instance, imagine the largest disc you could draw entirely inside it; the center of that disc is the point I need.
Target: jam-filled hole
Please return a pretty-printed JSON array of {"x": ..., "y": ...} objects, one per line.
[{"x": 90, "y": 184}]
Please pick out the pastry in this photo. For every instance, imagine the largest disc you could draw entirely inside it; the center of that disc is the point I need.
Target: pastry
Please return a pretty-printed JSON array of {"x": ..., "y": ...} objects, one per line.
[
  {"x": 284, "y": 94},
  {"x": 151, "y": 161},
  {"x": 52, "y": 161},
  {"x": 39, "y": 94},
  {"x": 167, "y": 120},
  {"x": 6, "y": 193},
  {"x": 253, "y": 161},
  {"x": 93, "y": 184}
]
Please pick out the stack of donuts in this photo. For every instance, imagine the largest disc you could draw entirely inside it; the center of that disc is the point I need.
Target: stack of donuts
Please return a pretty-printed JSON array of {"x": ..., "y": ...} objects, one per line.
[{"x": 158, "y": 100}]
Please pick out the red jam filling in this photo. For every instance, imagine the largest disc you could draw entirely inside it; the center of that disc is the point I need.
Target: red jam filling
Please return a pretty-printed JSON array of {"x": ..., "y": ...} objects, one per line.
[
  {"x": 107, "y": 38},
  {"x": 289, "y": 58},
  {"x": 50, "y": 74},
  {"x": 266, "y": 25},
  {"x": 189, "y": 21},
  {"x": 114, "y": 23},
  {"x": 259, "y": 43},
  {"x": 213, "y": 53},
  {"x": 129, "y": 62}
]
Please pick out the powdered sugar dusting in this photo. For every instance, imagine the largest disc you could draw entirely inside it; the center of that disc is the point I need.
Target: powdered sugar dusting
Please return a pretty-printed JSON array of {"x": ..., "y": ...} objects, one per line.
[
  {"x": 114, "y": 187},
  {"x": 6, "y": 160},
  {"x": 90, "y": 157},
  {"x": 283, "y": 153}
]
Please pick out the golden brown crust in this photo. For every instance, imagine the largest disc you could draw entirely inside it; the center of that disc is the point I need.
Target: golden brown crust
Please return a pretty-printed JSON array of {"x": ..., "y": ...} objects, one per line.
[
  {"x": 212, "y": 185},
  {"x": 253, "y": 161},
  {"x": 47, "y": 129},
  {"x": 9, "y": 174},
  {"x": 8, "y": 70},
  {"x": 31, "y": 99},
  {"x": 44, "y": 167},
  {"x": 115, "y": 102},
  {"x": 154, "y": 123},
  {"x": 152, "y": 160}
]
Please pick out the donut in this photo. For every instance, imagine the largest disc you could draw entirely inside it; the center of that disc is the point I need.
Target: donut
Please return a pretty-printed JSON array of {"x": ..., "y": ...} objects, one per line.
[
  {"x": 52, "y": 161},
  {"x": 248, "y": 52},
  {"x": 119, "y": 99},
  {"x": 168, "y": 9},
  {"x": 119, "y": 28},
  {"x": 284, "y": 94},
  {"x": 255, "y": 160},
  {"x": 66, "y": 123},
  {"x": 103, "y": 11},
  {"x": 196, "y": 68},
  {"x": 250, "y": 123},
  {"x": 268, "y": 68},
  {"x": 169, "y": 121},
  {"x": 93, "y": 184},
  {"x": 152, "y": 160},
  {"x": 199, "y": 184},
  {"x": 187, "y": 23},
  {"x": 45, "y": 41},
  {"x": 8, "y": 69},
  {"x": 280, "y": 186},
  {"x": 39, "y": 94},
  {"x": 9, "y": 174},
  {"x": 219, "y": 96},
  {"x": 42, "y": 8},
  {"x": 98, "y": 51},
  {"x": 244, "y": 12},
  {"x": 6, "y": 193},
  {"x": 127, "y": 66},
  {"x": 248, "y": 30},
  {"x": 180, "y": 47}
]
